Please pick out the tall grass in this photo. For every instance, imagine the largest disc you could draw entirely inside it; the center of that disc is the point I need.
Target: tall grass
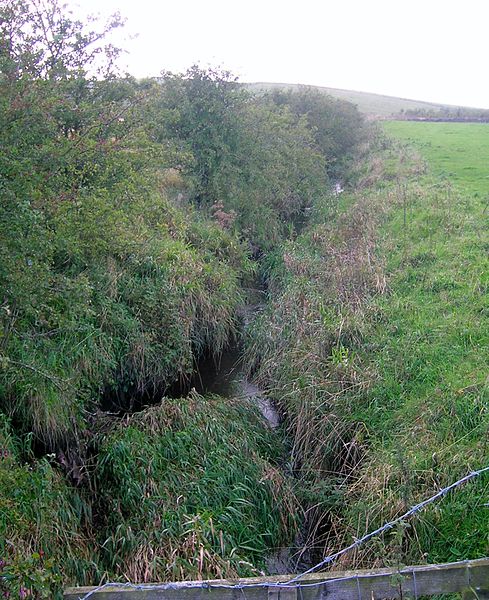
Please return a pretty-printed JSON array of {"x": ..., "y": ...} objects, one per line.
[
  {"x": 130, "y": 212},
  {"x": 43, "y": 524},
  {"x": 128, "y": 309},
  {"x": 374, "y": 345},
  {"x": 191, "y": 489}
]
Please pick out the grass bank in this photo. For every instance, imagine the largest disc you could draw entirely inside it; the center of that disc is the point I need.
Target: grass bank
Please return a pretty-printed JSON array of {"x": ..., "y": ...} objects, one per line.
[
  {"x": 192, "y": 489},
  {"x": 374, "y": 345}
]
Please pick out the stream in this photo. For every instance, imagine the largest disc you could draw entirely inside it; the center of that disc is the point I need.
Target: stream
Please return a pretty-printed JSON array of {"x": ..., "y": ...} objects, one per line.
[{"x": 228, "y": 378}]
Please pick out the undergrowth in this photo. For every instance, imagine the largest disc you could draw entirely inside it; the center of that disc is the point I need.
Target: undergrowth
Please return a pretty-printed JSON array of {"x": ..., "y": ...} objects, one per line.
[
  {"x": 42, "y": 523},
  {"x": 191, "y": 489},
  {"x": 125, "y": 319}
]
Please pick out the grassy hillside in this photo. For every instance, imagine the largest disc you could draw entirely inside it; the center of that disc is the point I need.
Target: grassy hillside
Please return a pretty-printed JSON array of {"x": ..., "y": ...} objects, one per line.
[
  {"x": 375, "y": 346},
  {"x": 376, "y": 105}
]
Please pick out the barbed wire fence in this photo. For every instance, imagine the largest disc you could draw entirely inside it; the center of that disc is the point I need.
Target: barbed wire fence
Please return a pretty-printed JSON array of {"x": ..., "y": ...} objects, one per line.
[{"x": 295, "y": 582}]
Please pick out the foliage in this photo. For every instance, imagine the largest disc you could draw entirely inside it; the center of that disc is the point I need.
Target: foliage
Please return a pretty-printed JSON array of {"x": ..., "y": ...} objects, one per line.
[
  {"x": 43, "y": 41},
  {"x": 33, "y": 577},
  {"x": 250, "y": 158},
  {"x": 280, "y": 174},
  {"x": 41, "y": 524},
  {"x": 304, "y": 347},
  {"x": 446, "y": 113},
  {"x": 337, "y": 126},
  {"x": 95, "y": 257},
  {"x": 203, "y": 105},
  {"x": 130, "y": 215}
]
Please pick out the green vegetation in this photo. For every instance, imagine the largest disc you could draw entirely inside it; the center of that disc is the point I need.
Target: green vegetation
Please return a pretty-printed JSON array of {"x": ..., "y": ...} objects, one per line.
[
  {"x": 190, "y": 489},
  {"x": 379, "y": 353},
  {"x": 337, "y": 126},
  {"x": 40, "y": 520},
  {"x": 133, "y": 214},
  {"x": 133, "y": 217}
]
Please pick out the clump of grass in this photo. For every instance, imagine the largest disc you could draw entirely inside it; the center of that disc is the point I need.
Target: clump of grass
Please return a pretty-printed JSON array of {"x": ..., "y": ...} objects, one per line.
[{"x": 191, "y": 489}]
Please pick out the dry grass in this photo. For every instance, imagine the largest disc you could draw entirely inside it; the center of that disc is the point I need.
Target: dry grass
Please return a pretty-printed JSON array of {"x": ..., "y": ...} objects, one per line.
[{"x": 303, "y": 350}]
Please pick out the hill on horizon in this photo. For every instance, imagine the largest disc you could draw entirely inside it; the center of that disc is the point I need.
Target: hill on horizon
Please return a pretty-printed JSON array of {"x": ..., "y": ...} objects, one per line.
[{"x": 373, "y": 105}]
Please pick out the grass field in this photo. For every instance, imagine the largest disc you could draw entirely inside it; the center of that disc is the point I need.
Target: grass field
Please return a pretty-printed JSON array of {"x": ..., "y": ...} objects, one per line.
[
  {"x": 376, "y": 105},
  {"x": 457, "y": 151}
]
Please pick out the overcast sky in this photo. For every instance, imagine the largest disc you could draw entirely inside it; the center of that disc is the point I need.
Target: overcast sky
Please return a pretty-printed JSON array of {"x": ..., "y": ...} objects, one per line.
[{"x": 434, "y": 50}]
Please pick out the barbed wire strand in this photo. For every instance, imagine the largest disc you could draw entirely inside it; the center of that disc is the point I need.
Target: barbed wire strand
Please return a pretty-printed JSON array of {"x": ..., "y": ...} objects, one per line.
[
  {"x": 414, "y": 509},
  {"x": 293, "y": 583}
]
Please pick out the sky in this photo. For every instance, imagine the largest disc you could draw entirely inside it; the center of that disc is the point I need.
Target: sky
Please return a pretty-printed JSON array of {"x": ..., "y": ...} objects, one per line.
[{"x": 433, "y": 50}]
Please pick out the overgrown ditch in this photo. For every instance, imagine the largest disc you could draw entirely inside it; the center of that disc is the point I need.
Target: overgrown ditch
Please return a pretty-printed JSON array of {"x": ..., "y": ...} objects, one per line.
[{"x": 227, "y": 376}]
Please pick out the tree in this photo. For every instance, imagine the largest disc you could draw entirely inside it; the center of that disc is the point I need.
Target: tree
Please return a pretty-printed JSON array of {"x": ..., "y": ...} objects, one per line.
[
  {"x": 337, "y": 125},
  {"x": 56, "y": 123},
  {"x": 40, "y": 39},
  {"x": 203, "y": 104}
]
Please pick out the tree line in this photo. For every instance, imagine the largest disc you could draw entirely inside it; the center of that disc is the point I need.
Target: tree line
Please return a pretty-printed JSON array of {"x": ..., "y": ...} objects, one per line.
[{"x": 446, "y": 113}]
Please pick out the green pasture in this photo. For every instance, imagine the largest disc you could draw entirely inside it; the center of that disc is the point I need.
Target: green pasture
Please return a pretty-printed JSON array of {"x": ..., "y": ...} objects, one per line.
[{"x": 456, "y": 151}]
